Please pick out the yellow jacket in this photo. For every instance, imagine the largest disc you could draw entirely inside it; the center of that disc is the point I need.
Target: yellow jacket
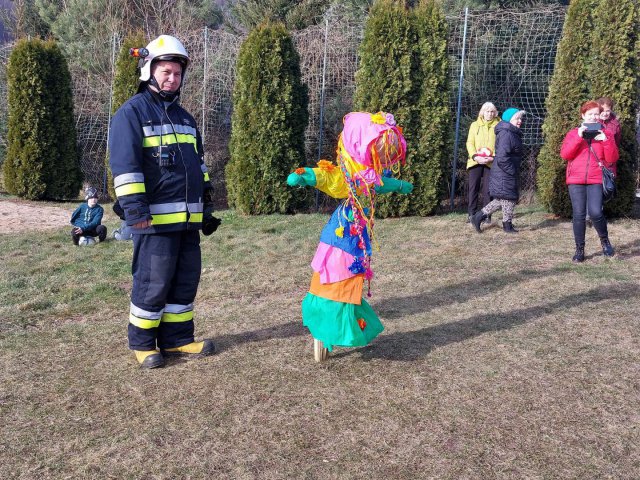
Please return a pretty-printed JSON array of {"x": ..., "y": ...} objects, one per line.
[{"x": 481, "y": 134}]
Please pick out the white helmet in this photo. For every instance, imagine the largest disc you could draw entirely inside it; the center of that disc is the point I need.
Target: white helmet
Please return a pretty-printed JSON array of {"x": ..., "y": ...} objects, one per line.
[{"x": 166, "y": 48}]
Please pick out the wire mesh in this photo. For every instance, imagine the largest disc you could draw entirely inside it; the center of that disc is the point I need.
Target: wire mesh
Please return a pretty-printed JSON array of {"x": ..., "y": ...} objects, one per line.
[{"x": 509, "y": 60}]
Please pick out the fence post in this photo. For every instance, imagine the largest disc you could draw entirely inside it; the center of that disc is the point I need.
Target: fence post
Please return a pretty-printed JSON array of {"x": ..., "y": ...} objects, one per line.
[
  {"x": 454, "y": 165},
  {"x": 204, "y": 83},
  {"x": 113, "y": 74},
  {"x": 324, "y": 71}
]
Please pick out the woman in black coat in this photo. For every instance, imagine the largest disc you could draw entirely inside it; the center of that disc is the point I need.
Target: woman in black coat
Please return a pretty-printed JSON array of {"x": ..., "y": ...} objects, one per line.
[{"x": 504, "y": 183}]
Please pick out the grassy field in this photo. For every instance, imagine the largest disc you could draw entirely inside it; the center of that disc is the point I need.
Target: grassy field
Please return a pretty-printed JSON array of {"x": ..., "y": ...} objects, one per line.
[{"x": 500, "y": 359}]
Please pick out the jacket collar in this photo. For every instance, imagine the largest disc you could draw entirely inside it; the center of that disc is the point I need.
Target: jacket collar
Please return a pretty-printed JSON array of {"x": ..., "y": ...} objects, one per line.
[
  {"x": 510, "y": 127},
  {"x": 490, "y": 123},
  {"x": 155, "y": 98}
]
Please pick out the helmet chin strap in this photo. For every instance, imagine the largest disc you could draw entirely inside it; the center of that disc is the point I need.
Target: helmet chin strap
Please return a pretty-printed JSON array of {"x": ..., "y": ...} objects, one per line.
[{"x": 167, "y": 96}]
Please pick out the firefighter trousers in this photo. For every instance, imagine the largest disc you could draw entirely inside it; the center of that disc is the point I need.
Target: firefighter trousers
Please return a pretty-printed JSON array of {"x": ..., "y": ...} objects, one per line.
[{"x": 166, "y": 272}]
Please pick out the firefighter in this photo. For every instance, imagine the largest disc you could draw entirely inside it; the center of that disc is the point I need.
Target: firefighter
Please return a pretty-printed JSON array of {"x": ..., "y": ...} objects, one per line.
[{"x": 162, "y": 184}]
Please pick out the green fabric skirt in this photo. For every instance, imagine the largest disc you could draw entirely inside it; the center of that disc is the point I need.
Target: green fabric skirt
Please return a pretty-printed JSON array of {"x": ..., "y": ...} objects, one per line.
[{"x": 336, "y": 323}]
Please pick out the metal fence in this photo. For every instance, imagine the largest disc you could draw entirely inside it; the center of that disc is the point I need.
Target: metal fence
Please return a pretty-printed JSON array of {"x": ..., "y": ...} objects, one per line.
[{"x": 508, "y": 59}]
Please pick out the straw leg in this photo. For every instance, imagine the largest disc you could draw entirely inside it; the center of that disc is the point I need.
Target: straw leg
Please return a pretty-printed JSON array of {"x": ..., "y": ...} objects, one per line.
[{"x": 319, "y": 352}]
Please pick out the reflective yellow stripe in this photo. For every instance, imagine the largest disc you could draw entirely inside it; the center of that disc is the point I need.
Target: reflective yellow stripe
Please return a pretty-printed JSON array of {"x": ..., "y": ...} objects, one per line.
[
  {"x": 130, "y": 189},
  {"x": 206, "y": 177},
  {"x": 177, "y": 317},
  {"x": 170, "y": 139},
  {"x": 143, "y": 323},
  {"x": 167, "y": 218},
  {"x": 180, "y": 217}
]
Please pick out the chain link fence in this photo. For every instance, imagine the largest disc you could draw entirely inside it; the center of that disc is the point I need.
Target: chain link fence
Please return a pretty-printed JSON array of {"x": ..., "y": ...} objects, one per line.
[{"x": 508, "y": 59}]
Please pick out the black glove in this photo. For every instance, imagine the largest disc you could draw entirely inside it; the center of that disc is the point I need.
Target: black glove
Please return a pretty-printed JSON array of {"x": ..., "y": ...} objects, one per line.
[
  {"x": 118, "y": 210},
  {"x": 210, "y": 224}
]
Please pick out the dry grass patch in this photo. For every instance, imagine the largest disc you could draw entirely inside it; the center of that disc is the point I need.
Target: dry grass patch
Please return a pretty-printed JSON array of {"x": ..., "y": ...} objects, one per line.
[{"x": 500, "y": 359}]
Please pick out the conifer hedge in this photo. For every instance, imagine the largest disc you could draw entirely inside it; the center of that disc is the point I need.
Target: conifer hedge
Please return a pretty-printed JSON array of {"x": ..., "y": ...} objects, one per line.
[
  {"x": 615, "y": 73},
  {"x": 433, "y": 142},
  {"x": 385, "y": 82},
  {"x": 268, "y": 123},
  {"x": 125, "y": 85},
  {"x": 598, "y": 55},
  {"x": 404, "y": 71},
  {"x": 568, "y": 90},
  {"x": 42, "y": 159}
]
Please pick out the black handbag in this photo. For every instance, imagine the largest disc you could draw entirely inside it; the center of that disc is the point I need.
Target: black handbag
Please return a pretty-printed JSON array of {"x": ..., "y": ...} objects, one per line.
[
  {"x": 608, "y": 178},
  {"x": 608, "y": 184}
]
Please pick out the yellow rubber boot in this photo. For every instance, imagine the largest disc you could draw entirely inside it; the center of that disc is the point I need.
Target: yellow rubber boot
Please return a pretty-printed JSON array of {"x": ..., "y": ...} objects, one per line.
[
  {"x": 200, "y": 349},
  {"x": 149, "y": 358}
]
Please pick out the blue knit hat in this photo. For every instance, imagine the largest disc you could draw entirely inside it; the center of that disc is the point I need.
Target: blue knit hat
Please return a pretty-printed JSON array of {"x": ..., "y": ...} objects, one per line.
[{"x": 509, "y": 113}]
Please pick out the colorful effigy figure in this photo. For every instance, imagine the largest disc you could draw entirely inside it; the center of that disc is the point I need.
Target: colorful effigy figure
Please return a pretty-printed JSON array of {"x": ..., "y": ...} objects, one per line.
[{"x": 370, "y": 148}]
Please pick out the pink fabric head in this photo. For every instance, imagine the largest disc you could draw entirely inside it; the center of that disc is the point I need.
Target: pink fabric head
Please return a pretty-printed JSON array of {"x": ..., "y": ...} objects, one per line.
[{"x": 363, "y": 138}]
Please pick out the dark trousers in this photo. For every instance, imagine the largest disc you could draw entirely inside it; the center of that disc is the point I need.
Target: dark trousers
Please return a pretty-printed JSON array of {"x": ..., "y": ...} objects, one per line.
[
  {"x": 587, "y": 199},
  {"x": 478, "y": 176},
  {"x": 100, "y": 232},
  {"x": 166, "y": 273}
]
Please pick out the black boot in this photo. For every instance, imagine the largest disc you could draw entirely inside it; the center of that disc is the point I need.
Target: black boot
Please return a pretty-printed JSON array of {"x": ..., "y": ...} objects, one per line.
[
  {"x": 579, "y": 256},
  {"x": 477, "y": 220},
  {"x": 487, "y": 221},
  {"x": 508, "y": 227},
  {"x": 607, "y": 248}
]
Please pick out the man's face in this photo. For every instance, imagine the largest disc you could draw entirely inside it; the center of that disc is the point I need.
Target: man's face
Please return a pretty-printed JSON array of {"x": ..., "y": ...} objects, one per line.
[
  {"x": 168, "y": 75},
  {"x": 92, "y": 202}
]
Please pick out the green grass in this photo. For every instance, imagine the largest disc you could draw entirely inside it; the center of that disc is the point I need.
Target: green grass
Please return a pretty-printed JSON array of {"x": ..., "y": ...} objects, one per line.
[{"x": 500, "y": 359}]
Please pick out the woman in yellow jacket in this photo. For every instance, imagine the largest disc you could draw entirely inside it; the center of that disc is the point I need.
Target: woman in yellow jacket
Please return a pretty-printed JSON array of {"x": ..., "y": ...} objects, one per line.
[{"x": 481, "y": 136}]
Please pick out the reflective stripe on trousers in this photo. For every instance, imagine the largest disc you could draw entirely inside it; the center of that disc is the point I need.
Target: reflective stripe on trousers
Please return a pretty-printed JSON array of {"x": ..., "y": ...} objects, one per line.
[{"x": 166, "y": 272}]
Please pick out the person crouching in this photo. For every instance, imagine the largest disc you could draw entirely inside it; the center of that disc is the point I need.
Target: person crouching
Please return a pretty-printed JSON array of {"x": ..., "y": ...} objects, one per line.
[{"x": 87, "y": 218}]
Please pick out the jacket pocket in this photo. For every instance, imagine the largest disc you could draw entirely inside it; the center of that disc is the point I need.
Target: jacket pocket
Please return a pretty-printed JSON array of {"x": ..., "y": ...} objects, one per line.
[{"x": 165, "y": 174}]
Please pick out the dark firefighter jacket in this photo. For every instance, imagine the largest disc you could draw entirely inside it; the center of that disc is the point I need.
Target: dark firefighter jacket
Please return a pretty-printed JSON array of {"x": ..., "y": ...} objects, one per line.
[{"x": 157, "y": 162}]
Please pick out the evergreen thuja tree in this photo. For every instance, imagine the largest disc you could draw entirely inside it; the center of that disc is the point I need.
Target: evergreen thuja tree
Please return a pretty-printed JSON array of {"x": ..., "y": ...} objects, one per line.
[
  {"x": 568, "y": 89},
  {"x": 268, "y": 123},
  {"x": 385, "y": 82},
  {"x": 126, "y": 77},
  {"x": 42, "y": 158},
  {"x": 615, "y": 73},
  {"x": 430, "y": 160},
  {"x": 125, "y": 85}
]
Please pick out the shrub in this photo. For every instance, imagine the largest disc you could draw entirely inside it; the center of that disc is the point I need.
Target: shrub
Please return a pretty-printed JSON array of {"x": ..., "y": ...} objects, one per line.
[
  {"x": 42, "y": 158},
  {"x": 125, "y": 85},
  {"x": 408, "y": 76},
  {"x": 268, "y": 123},
  {"x": 386, "y": 81},
  {"x": 568, "y": 89},
  {"x": 616, "y": 36},
  {"x": 432, "y": 145}
]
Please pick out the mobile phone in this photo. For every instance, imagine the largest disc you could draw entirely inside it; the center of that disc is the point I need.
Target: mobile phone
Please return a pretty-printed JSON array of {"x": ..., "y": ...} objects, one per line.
[{"x": 591, "y": 130}]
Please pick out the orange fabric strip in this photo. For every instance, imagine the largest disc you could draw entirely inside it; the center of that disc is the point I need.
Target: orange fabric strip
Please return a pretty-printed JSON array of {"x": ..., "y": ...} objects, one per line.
[{"x": 346, "y": 291}]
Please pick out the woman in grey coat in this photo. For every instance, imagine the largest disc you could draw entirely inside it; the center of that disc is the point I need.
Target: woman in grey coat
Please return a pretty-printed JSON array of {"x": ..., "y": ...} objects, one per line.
[{"x": 504, "y": 183}]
